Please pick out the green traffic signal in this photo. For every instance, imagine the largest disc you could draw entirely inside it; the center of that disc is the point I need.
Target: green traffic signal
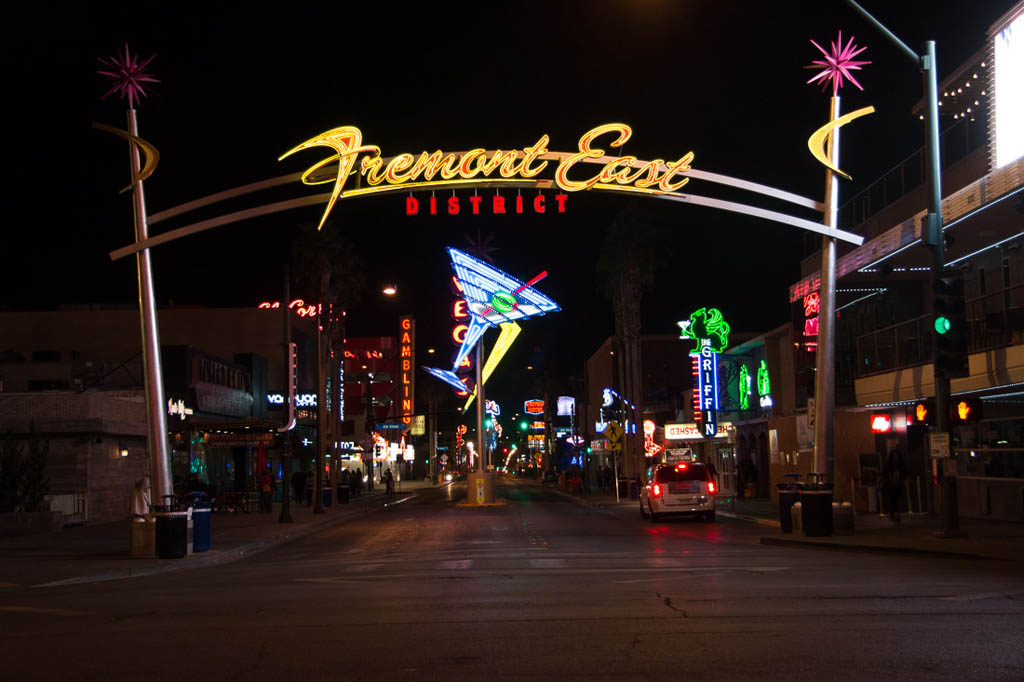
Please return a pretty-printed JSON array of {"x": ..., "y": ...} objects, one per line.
[
  {"x": 942, "y": 324},
  {"x": 523, "y": 426},
  {"x": 487, "y": 423}
]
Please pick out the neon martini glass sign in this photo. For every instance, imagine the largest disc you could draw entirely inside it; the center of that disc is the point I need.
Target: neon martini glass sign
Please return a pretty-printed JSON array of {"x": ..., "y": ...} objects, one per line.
[{"x": 494, "y": 298}]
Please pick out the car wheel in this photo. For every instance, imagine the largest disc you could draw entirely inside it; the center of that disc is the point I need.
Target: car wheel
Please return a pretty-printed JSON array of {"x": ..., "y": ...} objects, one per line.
[
  {"x": 643, "y": 514},
  {"x": 652, "y": 516}
]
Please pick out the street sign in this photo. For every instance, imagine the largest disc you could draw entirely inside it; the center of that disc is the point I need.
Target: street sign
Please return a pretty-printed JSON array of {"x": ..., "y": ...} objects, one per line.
[
  {"x": 444, "y": 458},
  {"x": 613, "y": 432},
  {"x": 391, "y": 426},
  {"x": 938, "y": 444}
]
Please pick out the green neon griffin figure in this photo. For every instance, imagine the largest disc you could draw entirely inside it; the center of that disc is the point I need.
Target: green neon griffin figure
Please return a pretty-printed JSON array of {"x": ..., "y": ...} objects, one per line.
[{"x": 706, "y": 323}]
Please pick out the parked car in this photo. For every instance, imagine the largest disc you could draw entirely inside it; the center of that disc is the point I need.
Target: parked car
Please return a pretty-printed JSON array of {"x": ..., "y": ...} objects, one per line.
[{"x": 680, "y": 488}]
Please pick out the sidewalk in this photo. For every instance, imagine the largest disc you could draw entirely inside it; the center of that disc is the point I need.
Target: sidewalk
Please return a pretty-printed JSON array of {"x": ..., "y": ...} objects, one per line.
[
  {"x": 873, "y": 533},
  {"x": 102, "y": 552}
]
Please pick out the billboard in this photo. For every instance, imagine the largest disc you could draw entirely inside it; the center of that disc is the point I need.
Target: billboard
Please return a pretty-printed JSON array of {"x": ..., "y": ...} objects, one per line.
[{"x": 1007, "y": 85}]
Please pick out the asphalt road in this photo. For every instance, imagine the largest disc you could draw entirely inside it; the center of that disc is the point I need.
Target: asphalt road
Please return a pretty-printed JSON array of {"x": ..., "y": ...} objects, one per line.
[{"x": 541, "y": 588}]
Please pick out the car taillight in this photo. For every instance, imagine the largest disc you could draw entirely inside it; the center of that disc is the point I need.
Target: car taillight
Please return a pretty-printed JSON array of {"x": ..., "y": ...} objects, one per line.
[
  {"x": 656, "y": 490},
  {"x": 711, "y": 487}
]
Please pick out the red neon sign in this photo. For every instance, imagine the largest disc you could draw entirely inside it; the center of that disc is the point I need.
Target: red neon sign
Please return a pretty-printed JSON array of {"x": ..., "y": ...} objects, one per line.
[
  {"x": 298, "y": 305},
  {"x": 460, "y": 309},
  {"x": 881, "y": 423},
  {"x": 407, "y": 359},
  {"x": 497, "y": 204}
]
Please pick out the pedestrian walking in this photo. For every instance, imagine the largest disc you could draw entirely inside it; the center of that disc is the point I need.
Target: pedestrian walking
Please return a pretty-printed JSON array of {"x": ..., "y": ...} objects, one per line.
[
  {"x": 389, "y": 482},
  {"x": 265, "y": 483},
  {"x": 309, "y": 488},
  {"x": 894, "y": 473}
]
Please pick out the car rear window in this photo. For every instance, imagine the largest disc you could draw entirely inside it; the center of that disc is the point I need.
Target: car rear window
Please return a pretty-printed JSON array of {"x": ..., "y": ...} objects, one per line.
[{"x": 692, "y": 472}]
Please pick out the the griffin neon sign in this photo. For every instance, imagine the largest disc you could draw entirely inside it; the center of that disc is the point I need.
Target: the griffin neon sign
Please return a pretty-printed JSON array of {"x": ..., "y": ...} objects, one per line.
[
  {"x": 709, "y": 329},
  {"x": 439, "y": 168}
]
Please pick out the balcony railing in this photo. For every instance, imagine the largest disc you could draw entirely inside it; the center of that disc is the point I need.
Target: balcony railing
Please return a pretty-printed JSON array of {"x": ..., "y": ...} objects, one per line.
[
  {"x": 901, "y": 345},
  {"x": 994, "y": 320},
  {"x": 957, "y": 141}
]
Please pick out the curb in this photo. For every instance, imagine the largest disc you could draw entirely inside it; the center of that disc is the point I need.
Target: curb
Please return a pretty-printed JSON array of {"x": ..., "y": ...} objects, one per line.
[
  {"x": 217, "y": 558},
  {"x": 876, "y": 549}
]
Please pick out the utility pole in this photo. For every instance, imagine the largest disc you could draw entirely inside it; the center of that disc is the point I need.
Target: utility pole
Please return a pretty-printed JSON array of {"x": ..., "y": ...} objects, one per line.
[
  {"x": 932, "y": 237},
  {"x": 286, "y": 439},
  {"x": 321, "y": 417},
  {"x": 370, "y": 425}
]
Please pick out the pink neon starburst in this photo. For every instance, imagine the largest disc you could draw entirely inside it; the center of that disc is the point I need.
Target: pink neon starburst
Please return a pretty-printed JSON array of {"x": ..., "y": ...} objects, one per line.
[
  {"x": 838, "y": 64},
  {"x": 129, "y": 76}
]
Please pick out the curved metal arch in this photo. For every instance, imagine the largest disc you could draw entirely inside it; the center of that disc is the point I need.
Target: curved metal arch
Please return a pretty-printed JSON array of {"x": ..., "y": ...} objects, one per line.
[{"x": 311, "y": 200}]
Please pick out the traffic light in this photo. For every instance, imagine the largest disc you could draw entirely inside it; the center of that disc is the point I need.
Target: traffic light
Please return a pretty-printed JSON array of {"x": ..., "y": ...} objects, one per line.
[
  {"x": 949, "y": 321},
  {"x": 523, "y": 426}
]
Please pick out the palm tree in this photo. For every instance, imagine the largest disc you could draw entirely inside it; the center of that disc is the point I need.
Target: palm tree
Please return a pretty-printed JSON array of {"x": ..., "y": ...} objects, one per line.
[
  {"x": 631, "y": 254},
  {"x": 327, "y": 264}
]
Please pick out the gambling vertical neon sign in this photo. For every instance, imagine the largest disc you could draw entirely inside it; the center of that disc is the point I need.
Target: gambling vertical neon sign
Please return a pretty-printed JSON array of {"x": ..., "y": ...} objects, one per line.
[{"x": 407, "y": 362}]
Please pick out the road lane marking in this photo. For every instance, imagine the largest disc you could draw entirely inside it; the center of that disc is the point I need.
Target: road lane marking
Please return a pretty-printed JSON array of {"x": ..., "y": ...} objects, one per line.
[
  {"x": 42, "y": 612},
  {"x": 979, "y": 596},
  {"x": 547, "y": 563},
  {"x": 460, "y": 564},
  {"x": 453, "y": 565}
]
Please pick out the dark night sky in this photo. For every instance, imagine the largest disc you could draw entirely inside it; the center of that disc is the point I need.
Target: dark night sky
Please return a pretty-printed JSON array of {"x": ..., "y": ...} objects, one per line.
[{"x": 240, "y": 84}]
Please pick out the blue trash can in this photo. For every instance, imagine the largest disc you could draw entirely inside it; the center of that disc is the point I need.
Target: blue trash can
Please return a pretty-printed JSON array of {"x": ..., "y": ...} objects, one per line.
[{"x": 201, "y": 530}]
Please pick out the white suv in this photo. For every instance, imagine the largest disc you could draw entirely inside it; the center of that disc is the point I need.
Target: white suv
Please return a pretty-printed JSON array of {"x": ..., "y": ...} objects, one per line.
[{"x": 681, "y": 488}]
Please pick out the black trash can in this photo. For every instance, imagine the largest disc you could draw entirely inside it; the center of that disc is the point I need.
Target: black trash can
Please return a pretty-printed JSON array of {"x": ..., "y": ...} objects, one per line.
[
  {"x": 325, "y": 494},
  {"x": 789, "y": 494},
  {"x": 201, "y": 519},
  {"x": 634, "y": 490},
  {"x": 172, "y": 531},
  {"x": 816, "y": 509},
  {"x": 344, "y": 492}
]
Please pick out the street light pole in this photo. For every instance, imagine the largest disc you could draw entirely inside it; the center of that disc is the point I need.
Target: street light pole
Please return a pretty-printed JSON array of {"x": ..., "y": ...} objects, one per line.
[
  {"x": 156, "y": 411},
  {"x": 286, "y": 436},
  {"x": 933, "y": 237},
  {"x": 825, "y": 377}
]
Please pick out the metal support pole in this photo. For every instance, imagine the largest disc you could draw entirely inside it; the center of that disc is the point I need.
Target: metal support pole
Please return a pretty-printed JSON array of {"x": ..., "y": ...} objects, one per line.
[
  {"x": 932, "y": 237},
  {"x": 286, "y": 437},
  {"x": 481, "y": 440},
  {"x": 950, "y": 522},
  {"x": 318, "y": 460},
  {"x": 824, "y": 381},
  {"x": 156, "y": 405}
]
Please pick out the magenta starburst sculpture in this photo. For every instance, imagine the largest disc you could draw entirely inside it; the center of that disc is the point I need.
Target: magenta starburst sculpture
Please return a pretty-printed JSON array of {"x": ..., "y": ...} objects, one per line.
[
  {"x": 837, "y": 64},
  {"x": 129, "y": 76}
]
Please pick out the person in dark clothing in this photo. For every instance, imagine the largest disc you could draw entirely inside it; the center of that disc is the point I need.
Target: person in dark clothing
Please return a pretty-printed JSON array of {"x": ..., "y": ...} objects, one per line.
[
  {"x": 894, "y": 474},
  {"x": 265, "y": 483},
  {"x": 298, "y": 485},
  {"x": 389, "y": 482}
]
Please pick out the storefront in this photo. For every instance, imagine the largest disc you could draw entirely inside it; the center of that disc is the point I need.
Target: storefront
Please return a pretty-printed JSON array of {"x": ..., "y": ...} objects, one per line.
[{"x": 718, "y": 453}]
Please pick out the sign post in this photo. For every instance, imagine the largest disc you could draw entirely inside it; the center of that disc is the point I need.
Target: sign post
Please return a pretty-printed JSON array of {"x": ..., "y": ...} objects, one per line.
[{"x": 613, "y": 432}]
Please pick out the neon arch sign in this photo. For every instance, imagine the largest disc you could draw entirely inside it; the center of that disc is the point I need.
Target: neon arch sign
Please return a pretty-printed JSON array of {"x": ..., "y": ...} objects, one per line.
[{"x": 521, "y": 167}]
